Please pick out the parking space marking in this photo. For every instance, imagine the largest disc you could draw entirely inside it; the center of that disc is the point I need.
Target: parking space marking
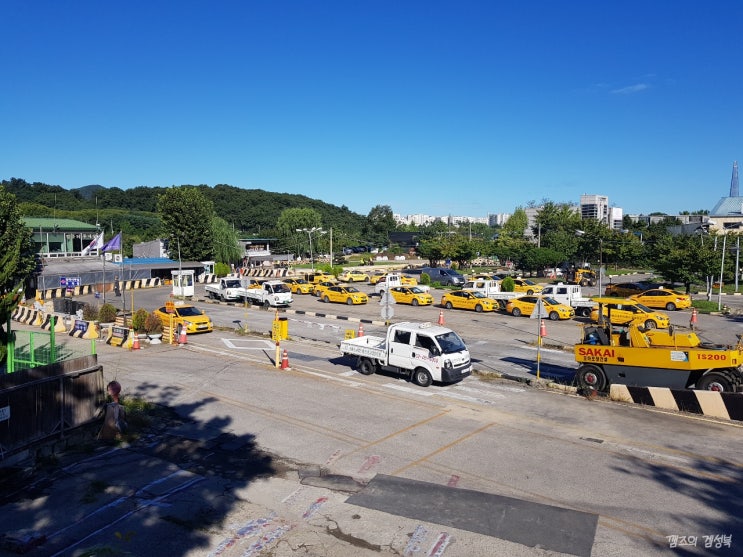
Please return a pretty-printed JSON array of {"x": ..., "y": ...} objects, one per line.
[{"x": 247, "y": 344}]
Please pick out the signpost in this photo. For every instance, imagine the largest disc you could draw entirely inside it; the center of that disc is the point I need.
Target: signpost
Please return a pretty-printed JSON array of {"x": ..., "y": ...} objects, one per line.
[
  {"x": 539, "y": 313},
  {"x": 387, "y": 302}
]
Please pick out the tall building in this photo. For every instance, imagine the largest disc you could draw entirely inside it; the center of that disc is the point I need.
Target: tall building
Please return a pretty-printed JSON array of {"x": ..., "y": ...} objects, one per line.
[
  {"x": 595, "y": 207},
  {"x": 734, "y": 181}
]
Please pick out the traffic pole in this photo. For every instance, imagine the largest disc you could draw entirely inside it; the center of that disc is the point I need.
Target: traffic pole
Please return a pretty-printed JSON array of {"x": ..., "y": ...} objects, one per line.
[{"x": 277, "y": 359}]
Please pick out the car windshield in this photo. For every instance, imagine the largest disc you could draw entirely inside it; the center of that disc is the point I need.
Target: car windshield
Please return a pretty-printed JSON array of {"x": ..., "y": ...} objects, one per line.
[
  {"x": 478, "y": 294},
  {"x": 644, "y": 308},
  {"x": 351, "y": 289},
  {"x": 529, "y": 282},
  {"x": 551, "y": 301},
  {"x": 189, "y": 311},
  {"x": 416, "y": 290},
  {"x": 450, "y": 343}
]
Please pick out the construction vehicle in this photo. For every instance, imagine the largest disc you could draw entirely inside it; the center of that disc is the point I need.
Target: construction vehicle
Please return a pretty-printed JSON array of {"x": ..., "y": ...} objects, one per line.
[
  {"x": 582, "y": 276},
  {"x": 634, "y": 356}
]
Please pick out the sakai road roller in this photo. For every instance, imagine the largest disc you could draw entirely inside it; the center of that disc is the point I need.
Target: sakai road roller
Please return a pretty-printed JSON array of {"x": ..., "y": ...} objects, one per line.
[{"x": 632, "y": 355}]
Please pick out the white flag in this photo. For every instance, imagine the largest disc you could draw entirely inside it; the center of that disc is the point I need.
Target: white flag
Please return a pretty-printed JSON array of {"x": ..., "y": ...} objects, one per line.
[{"x": 97, "y": 243}]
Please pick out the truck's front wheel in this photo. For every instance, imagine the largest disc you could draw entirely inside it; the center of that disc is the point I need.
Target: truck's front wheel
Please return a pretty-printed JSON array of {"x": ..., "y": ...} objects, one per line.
[
  {"x": 422, "y": 377},
  {"x": 366, "y": 366},
  {"x": 715, "y": 381},
  {"x": 591, "y": 377}
]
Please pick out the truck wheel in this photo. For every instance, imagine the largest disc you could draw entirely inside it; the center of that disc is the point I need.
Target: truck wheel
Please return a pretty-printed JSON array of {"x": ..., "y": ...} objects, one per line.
[
  {"x": 366, "y": 367},
  {"x": 591, "y": 377},
  {"x": 448, "y": 305},
  {"x": 516, "y": 312},
  {"x": 650, "y": 324},
  {"x": 326, "y": 299},
  {"x": 586, "y": 312},
  {"x": 478, "y": 308},
  {"x": 266, "y": 305},
  {"x": 715, "y": 381},
  {"x": 670, "y": 306},
  {"x": 554, "y": 316},
  {"x": 422, "y": 377}
]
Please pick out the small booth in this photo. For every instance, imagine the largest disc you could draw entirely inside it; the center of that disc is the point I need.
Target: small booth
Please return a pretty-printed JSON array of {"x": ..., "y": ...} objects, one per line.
[{"x": 183, "y": 282}]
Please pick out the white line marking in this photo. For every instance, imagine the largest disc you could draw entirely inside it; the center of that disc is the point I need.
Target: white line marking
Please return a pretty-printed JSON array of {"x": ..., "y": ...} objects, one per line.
[
  {"x": 408, "y": 389},
  {"x": 247, "y": 344}
]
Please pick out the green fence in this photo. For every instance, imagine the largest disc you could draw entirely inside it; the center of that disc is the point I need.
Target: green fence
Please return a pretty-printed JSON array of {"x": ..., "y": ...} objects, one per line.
[{"x": 30, "y": 349}]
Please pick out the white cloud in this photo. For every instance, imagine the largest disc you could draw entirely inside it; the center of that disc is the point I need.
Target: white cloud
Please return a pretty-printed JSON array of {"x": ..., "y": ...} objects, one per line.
[{"x": 630, "y": 90}]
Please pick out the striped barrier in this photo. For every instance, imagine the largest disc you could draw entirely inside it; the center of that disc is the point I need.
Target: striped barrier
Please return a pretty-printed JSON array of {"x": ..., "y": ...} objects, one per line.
[
  {"x": 85, "y": 289},
  {"x": 727, "y": 406},
  {"x": 59, "y": 326},
  {"x": 84, "y": 329}
]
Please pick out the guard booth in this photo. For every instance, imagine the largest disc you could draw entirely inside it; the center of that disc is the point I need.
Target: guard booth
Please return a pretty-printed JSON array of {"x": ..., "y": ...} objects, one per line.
[{"x": 183, "y": 283}]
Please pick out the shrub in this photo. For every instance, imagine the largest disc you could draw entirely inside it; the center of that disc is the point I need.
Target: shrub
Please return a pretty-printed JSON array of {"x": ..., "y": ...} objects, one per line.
[
  {"x": 221, "y": 269},
  {"x": 152, "y": 324},
  {"x": 90, "y": 312},
  {"x": 425, "y": 278},
  {"x": 107, "y": 313},
  {"x": 507, "y": 284},
  {"x": 138, "y": 319}
]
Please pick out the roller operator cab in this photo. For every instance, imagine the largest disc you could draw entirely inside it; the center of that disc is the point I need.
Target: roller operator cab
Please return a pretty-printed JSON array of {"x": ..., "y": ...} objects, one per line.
[
  {"x": 635, "y": 356},
  {"x": 423, "y": 351}
]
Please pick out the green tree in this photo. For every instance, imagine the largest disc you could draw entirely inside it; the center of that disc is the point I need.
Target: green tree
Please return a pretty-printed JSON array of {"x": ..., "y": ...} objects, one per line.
[
  {"x": 516, "y": 224},
  {"x": 226, "y": 247},
  {"x": 187, "y": 220},
  {"x": 380, "y": 222},
  {"x": 17, "y": 262},
  {"x": 292, "y": 226}
]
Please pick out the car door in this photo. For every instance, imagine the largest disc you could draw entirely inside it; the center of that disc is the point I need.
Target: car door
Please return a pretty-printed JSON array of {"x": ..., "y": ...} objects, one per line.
[{"x": 401, "y": 350}]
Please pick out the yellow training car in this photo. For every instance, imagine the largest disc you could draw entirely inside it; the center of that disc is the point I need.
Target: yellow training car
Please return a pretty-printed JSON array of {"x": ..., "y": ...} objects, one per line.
[
  {"x": 625, "y": 310},
  {"x": 526, "y": 285},
  {"x": 411, "y": 295},
  {"x": 183, "y": 315},
  {"x": 467, "y": 299},
  {"x": 344, "y": 295},
  {"x": 553, "y": 309},
  {"x": 662, "y": 298},
  {"x": 353, "y": 276},
  {"x": 298, "y": 285},
  {"x": 320, "y": 288}
]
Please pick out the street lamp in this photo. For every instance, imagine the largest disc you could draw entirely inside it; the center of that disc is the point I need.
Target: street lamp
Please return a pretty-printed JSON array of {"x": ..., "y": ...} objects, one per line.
[{"x": 309, "y": 232}]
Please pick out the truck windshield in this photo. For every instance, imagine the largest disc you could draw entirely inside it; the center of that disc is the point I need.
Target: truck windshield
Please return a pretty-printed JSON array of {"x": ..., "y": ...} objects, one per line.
[
  {"x": 232, "y": 284},
  {"x": 450, "y": 343}
]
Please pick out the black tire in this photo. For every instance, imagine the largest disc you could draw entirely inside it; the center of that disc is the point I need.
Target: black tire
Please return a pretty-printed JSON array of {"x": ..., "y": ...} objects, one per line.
[
  {"x": 715, "y": 381},
  {"x": 591, "y": 377},
  {"x": 448, "y": 305},
  {"x": 516, "y": 312},
  {"x": 414, "y": 302},
  {"x": 326, "y": 299},
  {"x": 554, "y": 316},
  {"x": 421, "y": 377},
  {"x": 266, "y": 305},
  {"x": 650, "y": 324},
  {"x": 366, "y": 367},
  {"x": 584, "y": 283},
  {"x": 478, "y": 308},
  {"x": 670, "y": 306},
  {"x": 586, "y": 312},
  {"x": 530, "y": 292},
  {"x": 349, "y": 302}
]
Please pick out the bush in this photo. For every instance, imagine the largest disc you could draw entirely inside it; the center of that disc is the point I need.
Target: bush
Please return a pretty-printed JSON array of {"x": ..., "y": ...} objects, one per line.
[
  {"x": 425, "y": 279},
  {"x": 107, "y": 313},
  {"x": 90, "y": 312},
  {"x": 138, "y": 319},
  {"x": 221, "y": 269},
  {"x": 507, "y": 284},
  {"x": 152, "y": 324}
]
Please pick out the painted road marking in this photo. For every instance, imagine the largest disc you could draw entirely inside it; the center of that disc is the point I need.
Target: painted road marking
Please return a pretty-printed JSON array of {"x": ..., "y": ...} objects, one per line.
[{"x": 248, "y": 344}]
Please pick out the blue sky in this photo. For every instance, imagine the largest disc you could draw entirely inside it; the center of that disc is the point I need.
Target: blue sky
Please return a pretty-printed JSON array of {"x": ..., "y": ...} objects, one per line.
[{"x": 462, "y": 108}]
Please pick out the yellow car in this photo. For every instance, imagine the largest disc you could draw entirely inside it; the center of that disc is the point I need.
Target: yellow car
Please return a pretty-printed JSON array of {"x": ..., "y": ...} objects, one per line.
[
  {"x": 320, "y": 288},
  {"x": 553, "y": 309},
  {"x": 195, "y": 320},
  {"x": 466, "y": 299},
  {"x": 526, "y": 285},
  {"x": 624, "y": 289},
  {"x": 411, "y": 295},
  {"x": 344, "y": 295},
  {"x": 374, "y": 279},
  {"x": 298, "y": 285},
  {"x": 625, "y": 310},
  {"x": 663, "y": 298},
  {"x": 353, "y": 276}
]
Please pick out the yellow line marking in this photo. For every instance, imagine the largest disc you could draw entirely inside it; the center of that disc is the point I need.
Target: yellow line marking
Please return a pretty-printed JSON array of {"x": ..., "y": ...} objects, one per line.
[{"x": 400, "y": 431}]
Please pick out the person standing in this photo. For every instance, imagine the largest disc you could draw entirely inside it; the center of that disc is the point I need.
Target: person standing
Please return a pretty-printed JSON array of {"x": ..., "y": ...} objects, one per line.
[{"x": 114, "y": 419}]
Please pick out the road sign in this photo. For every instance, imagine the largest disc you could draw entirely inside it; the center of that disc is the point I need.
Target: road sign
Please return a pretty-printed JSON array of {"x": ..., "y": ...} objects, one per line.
[
  {"x": 387, "y": 299},
  {"x": 539, "y": 311},
  {"x": 387, "y": 312}
]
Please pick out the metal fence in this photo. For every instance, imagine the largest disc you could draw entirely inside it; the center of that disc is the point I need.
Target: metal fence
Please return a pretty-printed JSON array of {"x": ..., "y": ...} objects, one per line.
[
  {"x": 30, "y": 349},
  {"x": 44, "y": 403}
]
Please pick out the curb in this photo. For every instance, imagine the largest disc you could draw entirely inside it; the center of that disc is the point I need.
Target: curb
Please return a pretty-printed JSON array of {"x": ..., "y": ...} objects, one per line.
[{"x": 726, "y": 406}]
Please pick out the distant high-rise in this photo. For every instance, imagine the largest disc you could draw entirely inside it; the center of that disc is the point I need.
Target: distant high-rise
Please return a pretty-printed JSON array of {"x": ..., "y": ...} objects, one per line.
[{"x": 734, "y": 181}]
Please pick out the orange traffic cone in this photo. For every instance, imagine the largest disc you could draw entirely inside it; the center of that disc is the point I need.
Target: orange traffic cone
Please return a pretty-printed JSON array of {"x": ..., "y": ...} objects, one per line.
[
  {"x": 693, "y": 319},
  {"x": 542, "y": 328},
  {"x": 135, "y": 341},
  {"x": 361, "y": 330},
  {"x": 285, "y": 360},
  {"x": 183, "y": 338},
  {"x": 441, "y": 317}
]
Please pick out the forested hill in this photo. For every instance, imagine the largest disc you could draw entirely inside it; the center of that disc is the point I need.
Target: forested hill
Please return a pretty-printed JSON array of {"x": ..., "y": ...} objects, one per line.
[{"x": 248, "y": 210}]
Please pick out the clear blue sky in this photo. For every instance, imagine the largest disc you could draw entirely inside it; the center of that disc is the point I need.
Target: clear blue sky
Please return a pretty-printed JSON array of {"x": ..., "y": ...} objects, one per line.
[{"x": 437, "y": 107}]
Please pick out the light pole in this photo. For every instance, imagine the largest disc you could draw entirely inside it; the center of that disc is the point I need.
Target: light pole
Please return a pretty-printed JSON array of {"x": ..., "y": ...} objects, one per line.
[{"x": 309, "y": 232}]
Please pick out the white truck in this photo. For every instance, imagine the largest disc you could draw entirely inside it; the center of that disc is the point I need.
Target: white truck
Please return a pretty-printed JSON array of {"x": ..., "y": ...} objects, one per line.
[
  {"x": 274, "y": 293},
  {"x": 492, "y": 289},
  {"x": 227, "y": 289},
  {"x": 423, "y": 351},
  {"x": 570, "y": 295},
  {"x": 391, "y": 280}
]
